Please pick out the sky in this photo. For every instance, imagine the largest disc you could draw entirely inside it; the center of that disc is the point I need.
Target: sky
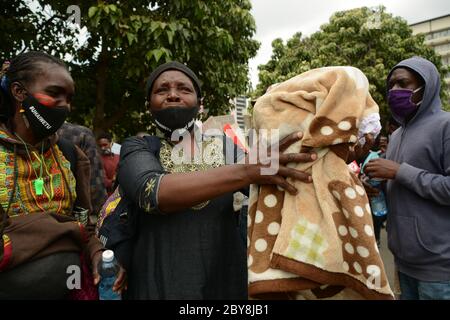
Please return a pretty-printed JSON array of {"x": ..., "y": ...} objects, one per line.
[{"x": 282, "y": 18}]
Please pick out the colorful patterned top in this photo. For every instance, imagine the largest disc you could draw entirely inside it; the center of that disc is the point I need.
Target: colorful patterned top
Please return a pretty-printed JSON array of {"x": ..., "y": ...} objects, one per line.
[
  {"x": 212, "y": 156},
  {"x": 196, "y": 253},
  {"x": 55, "y": 196}
]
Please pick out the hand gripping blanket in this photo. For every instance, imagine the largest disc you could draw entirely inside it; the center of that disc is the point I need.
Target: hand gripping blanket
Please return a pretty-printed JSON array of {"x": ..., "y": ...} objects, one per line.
[{"x": 319, "y": 243}]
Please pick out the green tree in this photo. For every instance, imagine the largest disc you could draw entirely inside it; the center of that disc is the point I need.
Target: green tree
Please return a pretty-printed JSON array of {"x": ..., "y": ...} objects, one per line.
[
  {"x": 39, "y": 29},
  {"x": 127, "y": 39},
  {"x": 373, "y": 41}
]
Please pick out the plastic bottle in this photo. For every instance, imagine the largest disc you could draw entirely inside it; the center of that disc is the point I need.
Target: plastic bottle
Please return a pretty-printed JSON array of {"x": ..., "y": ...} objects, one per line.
[
  {"x": 377, "y": 203},
  {"x": 108, "y": 270}
]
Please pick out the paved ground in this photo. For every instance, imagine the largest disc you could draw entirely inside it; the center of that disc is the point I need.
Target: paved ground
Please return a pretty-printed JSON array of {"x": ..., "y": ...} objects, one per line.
[{"x": 387, "y": 257}]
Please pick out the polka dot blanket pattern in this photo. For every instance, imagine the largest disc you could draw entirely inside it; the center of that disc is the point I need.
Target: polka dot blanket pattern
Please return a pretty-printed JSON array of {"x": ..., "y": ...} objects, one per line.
[{"x": 320, "y": 243}]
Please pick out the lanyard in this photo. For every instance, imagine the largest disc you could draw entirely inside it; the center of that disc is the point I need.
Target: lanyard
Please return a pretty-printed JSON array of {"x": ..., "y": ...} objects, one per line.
[{"x": 39, "y": 181}]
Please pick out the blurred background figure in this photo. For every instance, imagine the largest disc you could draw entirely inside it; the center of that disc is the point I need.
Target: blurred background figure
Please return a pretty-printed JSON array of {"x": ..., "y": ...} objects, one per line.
[
  {"x": 109, "y": 160},
  {"x": 84, "y": 138}
]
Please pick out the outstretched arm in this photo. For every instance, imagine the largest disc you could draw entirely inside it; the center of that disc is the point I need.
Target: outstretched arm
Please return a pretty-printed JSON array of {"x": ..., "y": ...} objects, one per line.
[{"x": 154, "y": 190}]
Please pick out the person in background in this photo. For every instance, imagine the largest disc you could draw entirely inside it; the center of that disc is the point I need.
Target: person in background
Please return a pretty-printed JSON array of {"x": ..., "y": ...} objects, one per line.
[
  {"x": 109, "y": 160},
  {"x": 391, "y": 126},
  {"x": 417, "y": 167},
  {"x": 84, "y": 138},
  {"x": 383, "y": 144},
  {"x": 374, "y": 189}
]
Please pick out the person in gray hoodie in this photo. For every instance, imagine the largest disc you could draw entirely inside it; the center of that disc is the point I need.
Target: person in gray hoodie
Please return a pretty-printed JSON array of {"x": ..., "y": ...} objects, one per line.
[{"x": 417, "y": 169}]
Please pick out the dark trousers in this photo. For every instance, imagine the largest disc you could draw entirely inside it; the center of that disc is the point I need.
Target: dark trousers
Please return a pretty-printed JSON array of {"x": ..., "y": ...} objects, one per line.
[
  {"x": 377, "y": 224},
  {"x": 243, "y": 223},
  {"x": 414, "y": 289},
  {"x": 41, "y": 279}
]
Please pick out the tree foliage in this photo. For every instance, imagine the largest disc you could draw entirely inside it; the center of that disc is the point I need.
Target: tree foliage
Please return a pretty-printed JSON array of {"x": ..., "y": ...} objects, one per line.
[
  {"x": 127, "y": 39},
  {"x": 26, "y": 29},
  {"x": 371, "y": 40}
]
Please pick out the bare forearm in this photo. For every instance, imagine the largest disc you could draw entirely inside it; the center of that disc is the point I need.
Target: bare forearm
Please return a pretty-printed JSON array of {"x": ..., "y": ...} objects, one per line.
[{"x": 178, "y": 191}]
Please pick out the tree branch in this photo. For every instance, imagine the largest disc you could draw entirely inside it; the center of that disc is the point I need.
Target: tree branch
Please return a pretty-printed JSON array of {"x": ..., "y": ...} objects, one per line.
[
  {"x": 111, "y": 121},
  {"x": 42, "y": 26},
  {"x": 100, "y": 79}
]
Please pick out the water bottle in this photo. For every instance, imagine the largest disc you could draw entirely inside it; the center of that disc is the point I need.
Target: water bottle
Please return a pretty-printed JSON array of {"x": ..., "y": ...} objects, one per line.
[
  {"x": 108, "y": 270},
  {"x": 378, "y": 202}
]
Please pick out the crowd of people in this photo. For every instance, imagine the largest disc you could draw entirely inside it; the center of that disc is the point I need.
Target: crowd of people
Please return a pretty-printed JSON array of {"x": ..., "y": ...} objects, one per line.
[{"x": 59, "y": 184}]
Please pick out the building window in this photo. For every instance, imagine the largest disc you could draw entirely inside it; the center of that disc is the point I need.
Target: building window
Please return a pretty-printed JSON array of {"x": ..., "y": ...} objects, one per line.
[
  {"x": 438, "y": 34},
  {"x": 442, "y": 48},
  {"x": 446, "y": 61}
]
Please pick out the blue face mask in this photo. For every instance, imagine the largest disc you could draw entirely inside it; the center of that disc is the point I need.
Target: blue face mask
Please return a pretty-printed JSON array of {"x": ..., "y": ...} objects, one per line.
[{"x": 400, "y": 102}]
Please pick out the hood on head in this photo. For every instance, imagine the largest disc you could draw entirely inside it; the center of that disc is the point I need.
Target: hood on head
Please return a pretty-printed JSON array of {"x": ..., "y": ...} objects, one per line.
[{"x": 427, "y": 70}]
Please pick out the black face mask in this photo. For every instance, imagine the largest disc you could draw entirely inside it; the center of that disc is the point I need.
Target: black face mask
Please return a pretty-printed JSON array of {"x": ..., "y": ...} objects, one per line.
[
  {"x": 174, "y": 118},
  {"x": 43, "y": 121}
]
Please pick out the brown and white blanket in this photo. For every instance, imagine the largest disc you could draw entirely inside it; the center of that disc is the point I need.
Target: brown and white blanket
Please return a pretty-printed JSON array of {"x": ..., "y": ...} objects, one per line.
[{"x": 319, "y": 243}]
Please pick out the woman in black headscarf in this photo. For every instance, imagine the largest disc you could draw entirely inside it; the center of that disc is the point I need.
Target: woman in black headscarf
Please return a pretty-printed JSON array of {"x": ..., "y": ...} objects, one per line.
[{"x": 187, "y": 243}]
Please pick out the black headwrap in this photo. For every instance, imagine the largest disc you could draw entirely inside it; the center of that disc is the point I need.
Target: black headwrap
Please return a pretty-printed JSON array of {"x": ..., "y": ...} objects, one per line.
[{"x": 173, "y": 65}]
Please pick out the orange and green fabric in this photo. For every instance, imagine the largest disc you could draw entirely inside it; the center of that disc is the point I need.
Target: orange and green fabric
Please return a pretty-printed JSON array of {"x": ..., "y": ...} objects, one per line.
[{"x": 55, "y": 196}]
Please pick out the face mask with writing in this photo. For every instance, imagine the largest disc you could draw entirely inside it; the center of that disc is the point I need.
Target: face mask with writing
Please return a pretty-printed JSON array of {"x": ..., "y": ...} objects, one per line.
[{"x": 42, "y": 116}]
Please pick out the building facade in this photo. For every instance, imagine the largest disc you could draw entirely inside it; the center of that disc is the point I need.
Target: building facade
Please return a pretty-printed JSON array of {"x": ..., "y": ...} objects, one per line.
[
  {"x": 437, "y": 35},
  {"x": 241, "y": 110}
]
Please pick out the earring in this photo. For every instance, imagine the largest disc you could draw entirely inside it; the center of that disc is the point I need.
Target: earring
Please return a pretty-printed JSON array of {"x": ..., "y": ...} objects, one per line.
[{"x": 25, "y": 120}]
